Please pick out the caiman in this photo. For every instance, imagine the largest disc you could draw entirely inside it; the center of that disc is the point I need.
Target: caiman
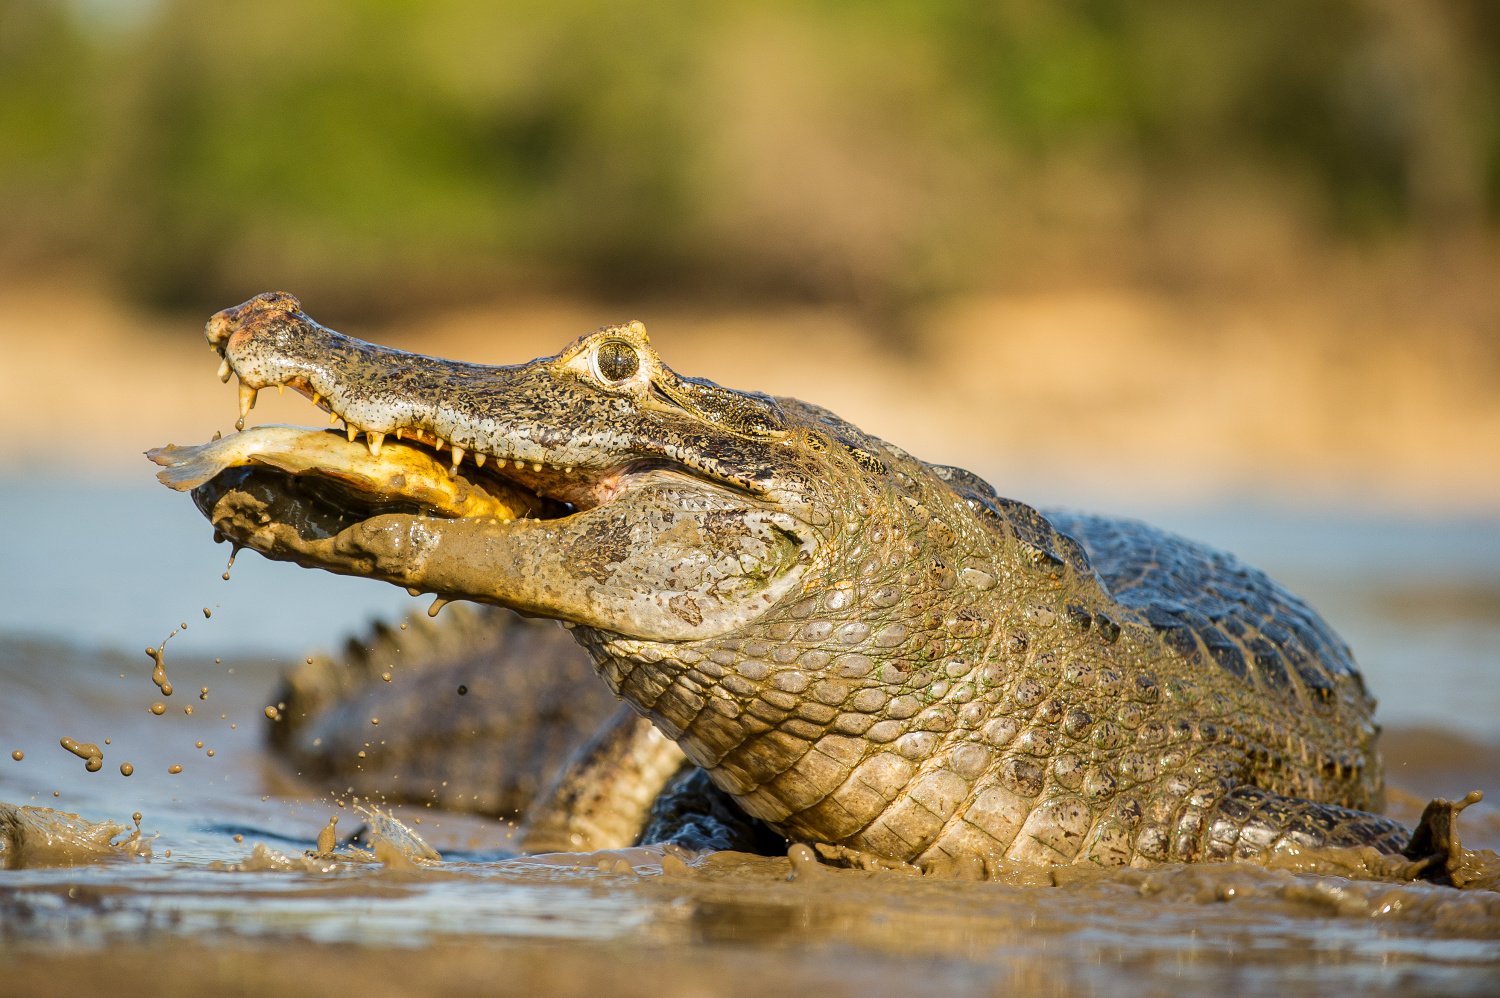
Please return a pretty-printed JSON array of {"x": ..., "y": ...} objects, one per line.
[{"x": 871, "y": 655}]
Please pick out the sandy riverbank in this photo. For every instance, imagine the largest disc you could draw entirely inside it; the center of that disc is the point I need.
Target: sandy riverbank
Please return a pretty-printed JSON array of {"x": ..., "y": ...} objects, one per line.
[{"x": 1348, "y": 391}]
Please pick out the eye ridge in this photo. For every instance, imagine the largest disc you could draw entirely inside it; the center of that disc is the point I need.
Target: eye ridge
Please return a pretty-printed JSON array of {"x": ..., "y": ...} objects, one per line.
[{"x": 616, "y": 361}]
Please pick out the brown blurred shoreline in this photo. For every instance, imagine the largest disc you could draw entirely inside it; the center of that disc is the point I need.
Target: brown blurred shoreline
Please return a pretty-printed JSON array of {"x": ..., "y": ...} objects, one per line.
[{"x": 1369, "y": 381}]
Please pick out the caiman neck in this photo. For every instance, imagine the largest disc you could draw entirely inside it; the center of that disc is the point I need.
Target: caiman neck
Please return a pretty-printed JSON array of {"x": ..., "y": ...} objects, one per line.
[{"x": 927, "y": 596}]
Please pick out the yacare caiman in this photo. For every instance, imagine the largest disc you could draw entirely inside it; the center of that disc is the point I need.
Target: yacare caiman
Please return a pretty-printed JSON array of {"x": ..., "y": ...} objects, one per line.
[{"x": 819, "y": 638}]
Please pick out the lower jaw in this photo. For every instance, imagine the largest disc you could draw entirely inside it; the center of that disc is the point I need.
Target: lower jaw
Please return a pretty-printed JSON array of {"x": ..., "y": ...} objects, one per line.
[
  {"x": 321, "y": 501},
  {"x": 483, "y": 559},
  {"x": 289, "y": 518}
]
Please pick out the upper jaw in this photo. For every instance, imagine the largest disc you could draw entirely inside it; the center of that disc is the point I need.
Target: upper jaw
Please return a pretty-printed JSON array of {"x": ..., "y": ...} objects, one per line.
[
  {"x": 543, "y": 419},
  {"x": 375, "y": 390}
]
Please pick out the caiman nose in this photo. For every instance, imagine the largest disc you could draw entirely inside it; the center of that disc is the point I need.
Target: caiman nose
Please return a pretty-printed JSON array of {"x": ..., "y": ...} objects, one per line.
[{"x": 224, "y": 322}]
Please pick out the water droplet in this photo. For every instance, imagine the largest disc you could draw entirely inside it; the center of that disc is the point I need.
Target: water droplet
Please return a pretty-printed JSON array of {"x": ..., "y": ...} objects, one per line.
[
  {"x": 174, "y": 770},
  {"x": 125, "y": 770},
  {"x": 18, "y": 755}
]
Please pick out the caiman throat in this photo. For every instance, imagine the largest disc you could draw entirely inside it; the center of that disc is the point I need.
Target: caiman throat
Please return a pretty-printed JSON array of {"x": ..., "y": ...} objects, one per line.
[{"x": 874, "y": 655}]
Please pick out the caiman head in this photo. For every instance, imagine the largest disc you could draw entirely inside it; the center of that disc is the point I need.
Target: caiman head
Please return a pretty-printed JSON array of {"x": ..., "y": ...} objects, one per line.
[{"x": 595, "y": 486}]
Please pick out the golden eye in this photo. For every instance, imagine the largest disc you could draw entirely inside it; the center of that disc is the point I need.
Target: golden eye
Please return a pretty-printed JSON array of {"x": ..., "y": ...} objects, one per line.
[{"x": 616, "y": 361}]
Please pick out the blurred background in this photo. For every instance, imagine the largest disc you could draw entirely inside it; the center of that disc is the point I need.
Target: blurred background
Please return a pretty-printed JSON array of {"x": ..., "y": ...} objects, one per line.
[{"x": 1229, "y": 266}]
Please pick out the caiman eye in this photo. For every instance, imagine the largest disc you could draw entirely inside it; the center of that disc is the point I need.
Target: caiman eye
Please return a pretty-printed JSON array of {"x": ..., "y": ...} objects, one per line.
[{"x": 616, "y": 362}]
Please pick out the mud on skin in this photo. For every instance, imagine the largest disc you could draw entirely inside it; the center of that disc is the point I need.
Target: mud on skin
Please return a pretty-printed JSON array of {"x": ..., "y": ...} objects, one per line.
[{"x": 876, "y": 656}]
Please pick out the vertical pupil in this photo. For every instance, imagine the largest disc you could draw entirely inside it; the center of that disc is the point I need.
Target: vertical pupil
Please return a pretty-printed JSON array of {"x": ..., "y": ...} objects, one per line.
[{"x": 617, "y": 361}]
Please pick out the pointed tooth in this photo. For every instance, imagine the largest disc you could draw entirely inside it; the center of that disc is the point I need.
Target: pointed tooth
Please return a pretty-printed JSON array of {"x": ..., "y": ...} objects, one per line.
[
  {"x": 568, "y": 470},
  {"x": 247, "y": 402},
  {"x": 374, "y": 440},
  {"x": 351, "y": 429},
  {"x": 281, "y": 389},
  {"x": 536, "y": 466},
  {"x": 397, "y": 432},
  {"x": 458, "y": 455},
  {"x": 479, "y": 459},
  {"x": 333, "y": 417},
  {"x": 224, "y": 369},
  {"x": 317, "y": 398}
]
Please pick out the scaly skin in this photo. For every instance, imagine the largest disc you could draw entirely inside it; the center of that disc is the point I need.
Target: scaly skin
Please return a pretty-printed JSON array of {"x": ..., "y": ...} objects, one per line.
[
  {"x": 529, "y": 701},
  {"x": 866, "y": 651}
]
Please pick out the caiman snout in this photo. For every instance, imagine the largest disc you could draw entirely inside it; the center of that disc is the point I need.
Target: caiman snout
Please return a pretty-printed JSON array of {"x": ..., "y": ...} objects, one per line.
[{"x": 225, "y": 321}]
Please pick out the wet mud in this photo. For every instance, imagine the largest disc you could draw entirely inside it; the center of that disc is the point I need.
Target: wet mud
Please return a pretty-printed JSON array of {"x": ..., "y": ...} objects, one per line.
[
  {"x": 238, "y": 880},
  {"x": 289, "y": 922},
  {"x": 291, "y": 916},
  {"x": 39, "y": 837}
]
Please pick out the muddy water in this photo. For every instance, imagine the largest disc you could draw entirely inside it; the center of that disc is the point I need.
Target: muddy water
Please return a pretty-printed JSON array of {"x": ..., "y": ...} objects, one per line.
[{"x": 223, "y": 896}]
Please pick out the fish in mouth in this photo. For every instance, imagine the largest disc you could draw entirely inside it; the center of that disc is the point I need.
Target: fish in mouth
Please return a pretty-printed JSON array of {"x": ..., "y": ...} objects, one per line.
[{"x": 877, "y": 656}]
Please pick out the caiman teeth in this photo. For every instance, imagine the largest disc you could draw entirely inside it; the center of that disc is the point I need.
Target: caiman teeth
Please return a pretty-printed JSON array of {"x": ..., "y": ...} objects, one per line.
[
  {"x": 247, "y": 402},
  {"x": 376, "y": 440},
  {"x": 224, "y": 371}
]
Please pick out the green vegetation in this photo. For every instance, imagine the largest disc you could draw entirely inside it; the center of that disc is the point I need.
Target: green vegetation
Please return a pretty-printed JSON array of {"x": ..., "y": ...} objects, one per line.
[{"x": 874, "y": 151}]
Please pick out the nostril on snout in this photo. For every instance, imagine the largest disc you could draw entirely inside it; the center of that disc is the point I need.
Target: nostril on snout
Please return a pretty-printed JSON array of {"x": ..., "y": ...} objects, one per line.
[
  {"x": 222, "y": 324},
  {"x": 218, "y": 328}
]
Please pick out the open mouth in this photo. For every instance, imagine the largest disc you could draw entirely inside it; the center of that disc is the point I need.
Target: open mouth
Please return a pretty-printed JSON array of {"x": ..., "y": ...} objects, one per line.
[
  {"x": 356, "y": 479},
  {"x": 355, "y": 474}
]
